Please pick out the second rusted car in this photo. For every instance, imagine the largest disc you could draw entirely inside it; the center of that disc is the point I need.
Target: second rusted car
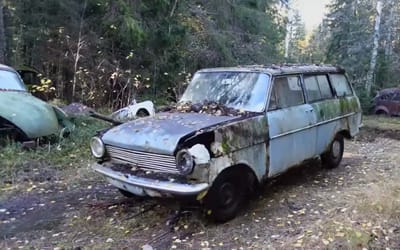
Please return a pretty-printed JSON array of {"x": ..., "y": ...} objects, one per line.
[
  {"x": 233, "y": 129},
  {"x": 387, "y": 102}
]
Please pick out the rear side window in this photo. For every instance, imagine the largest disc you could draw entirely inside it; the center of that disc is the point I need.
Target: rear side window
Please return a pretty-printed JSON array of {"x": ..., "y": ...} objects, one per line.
[
  {"x": 286, "y": 92},
  {"x": 340, "y": 85},
  {"x": 317, "y": 87}
]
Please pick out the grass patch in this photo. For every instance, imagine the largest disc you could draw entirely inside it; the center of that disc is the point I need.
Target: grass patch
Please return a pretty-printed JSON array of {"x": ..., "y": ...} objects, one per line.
[
  {"x": 382, "y": 122},
  {"x": 66, "y": 152}
]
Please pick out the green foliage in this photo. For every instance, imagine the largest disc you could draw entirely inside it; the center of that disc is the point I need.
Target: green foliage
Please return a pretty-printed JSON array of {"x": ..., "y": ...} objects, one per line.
[
  {"x": 367, "y": 104},
  {"x": 92, "y": 49}
]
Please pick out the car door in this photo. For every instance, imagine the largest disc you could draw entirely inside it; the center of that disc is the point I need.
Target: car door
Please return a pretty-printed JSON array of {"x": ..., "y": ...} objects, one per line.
[
  {"x": 290, "y": 121},
  {"x": 326, "y": 108}
]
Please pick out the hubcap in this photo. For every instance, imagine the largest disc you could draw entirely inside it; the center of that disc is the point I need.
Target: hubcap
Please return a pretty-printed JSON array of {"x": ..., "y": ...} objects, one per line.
[{"x": 336, "y": 149}]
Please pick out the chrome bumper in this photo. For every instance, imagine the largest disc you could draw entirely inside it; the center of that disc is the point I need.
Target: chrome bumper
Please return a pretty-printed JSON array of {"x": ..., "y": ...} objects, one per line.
[{"x": 145, "y": 186}]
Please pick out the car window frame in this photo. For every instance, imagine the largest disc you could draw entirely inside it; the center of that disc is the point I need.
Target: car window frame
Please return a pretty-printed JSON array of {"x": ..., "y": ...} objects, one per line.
[
  {"x": 271, "y": 92},
  {"x": 333, "y": 86},
  {"x": 332, "y": 91},
  {"x": 396, "y": 95}
]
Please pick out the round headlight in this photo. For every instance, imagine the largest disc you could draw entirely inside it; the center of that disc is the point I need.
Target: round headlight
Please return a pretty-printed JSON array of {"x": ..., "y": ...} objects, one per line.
[
  {"x": 184, "y": 162},
  {"x": 97, "y": 147}
]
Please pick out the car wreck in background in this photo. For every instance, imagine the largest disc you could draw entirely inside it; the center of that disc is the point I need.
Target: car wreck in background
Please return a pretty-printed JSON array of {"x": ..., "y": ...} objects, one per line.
[
  {"x": 233, "y": 129},
  {"x": 387, "y": 102},
  {"x": 24, "y": 117},
  {"x": 125, "y": 114}
]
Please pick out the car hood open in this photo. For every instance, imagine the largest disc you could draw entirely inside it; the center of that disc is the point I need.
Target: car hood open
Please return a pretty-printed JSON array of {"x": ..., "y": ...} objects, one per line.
[{"x": 161, "y": 133}]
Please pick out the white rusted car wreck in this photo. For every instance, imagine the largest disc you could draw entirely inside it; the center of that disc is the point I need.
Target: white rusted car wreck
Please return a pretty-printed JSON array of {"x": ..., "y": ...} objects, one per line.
[{"x": 233, "y": 129}]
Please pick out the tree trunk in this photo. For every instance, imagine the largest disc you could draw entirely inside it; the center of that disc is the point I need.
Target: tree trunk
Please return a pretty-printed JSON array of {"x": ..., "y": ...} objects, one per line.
[
  {"x": 289, "y": 27},
  {"x": 374, "y": 55},
  {"x": 80, "y": 44},
  {"x": 389, "y": 25},
  {"x": 2, "y": 35}
]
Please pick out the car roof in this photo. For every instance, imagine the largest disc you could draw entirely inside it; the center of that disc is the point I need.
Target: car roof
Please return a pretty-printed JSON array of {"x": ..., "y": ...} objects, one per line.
[
  {"x": 282, "y": 69},
  {"x": 389, "y": 91},
  {"x": 5, "y": 67}
]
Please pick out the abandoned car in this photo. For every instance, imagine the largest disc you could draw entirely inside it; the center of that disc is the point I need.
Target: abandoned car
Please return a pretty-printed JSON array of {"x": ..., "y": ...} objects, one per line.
[
  {"x": 387, "y": 102},
  {"x": 233, "y": 129},
  {"x": 24, "y": 117}
]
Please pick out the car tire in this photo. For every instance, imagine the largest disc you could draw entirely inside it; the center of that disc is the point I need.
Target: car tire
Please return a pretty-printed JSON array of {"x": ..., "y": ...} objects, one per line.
[
  {"x": 225, "y": 197},
  {"x": 127, "y": 194},
  {"x": 332, "y": 158}
]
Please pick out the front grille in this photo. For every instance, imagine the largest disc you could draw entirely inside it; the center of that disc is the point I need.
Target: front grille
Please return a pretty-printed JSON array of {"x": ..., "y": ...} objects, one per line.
[{"x": 143, "y": 160}]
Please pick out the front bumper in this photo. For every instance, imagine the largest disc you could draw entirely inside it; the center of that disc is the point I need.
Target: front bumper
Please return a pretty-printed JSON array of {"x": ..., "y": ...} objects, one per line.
[{"x": 146, "y": 186}]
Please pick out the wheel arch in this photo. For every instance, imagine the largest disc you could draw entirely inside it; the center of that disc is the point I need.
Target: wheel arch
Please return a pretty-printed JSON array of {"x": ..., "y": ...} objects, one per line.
[
  {"x": 21, "y": 134},
  {"x": 144, "y": 110},
  {"x": 380, "y": 110},
  {"x": 244, "y": 170},
  {"x": 345, "y": 133}
]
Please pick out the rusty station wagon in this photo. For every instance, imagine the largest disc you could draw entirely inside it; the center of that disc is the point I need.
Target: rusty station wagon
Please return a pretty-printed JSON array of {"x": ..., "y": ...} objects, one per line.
[{"x": 233, "y": 129}]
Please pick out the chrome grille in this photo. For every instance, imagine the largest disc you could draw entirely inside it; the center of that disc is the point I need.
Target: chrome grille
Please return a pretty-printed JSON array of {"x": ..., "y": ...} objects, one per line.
[{"x": 143, "y": 160}]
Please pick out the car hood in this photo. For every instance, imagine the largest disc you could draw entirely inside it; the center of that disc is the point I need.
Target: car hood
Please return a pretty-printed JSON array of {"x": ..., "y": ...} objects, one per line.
[
  {"x": 33, "y": 116},
  {"x": 161, "y": 133}
]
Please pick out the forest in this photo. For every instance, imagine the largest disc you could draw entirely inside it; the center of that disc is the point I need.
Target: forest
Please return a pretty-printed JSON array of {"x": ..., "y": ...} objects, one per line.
[{"x": 105, "y": 53}]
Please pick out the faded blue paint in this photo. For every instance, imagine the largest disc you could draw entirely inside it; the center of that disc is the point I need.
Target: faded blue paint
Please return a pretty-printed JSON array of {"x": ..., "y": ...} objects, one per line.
[
  {"x": 292, "y": 137},
  {"x": 161, "y": 133},
  {"x": 255, "y": 157},
  {"x": 33, "y": 116}
]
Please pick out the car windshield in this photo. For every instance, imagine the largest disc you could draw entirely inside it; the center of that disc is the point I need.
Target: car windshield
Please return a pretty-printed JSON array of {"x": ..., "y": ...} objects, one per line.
[
  {"x": 11, "y": 81},
  {"x": 240, "y": 90}
]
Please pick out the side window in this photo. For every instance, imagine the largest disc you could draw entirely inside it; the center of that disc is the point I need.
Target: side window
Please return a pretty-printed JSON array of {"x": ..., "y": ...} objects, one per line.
[
  {"x": 324, "y": 87},
  {"x": 340, "y": 85},
  {"x": 396, "y": 98},
  {"x": 386, "y": 97},
  {"x": 312, "y": 89},
  {"x": 286, "y": 92},
  {"x": 317, "y": 87}
]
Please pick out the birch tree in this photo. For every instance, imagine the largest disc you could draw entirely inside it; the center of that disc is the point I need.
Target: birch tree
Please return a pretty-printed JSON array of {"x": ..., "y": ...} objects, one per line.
[{"x": 374, "y": 54}]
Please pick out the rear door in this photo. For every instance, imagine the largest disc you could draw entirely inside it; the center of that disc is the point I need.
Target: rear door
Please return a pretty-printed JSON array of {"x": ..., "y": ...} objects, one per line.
[
  {"x": 326, "y": 109},
  {"x": 290, "y": 120}
]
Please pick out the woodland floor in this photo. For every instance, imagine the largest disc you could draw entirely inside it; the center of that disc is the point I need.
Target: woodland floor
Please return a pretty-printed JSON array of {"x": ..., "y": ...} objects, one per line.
[{"x": 354, "y": 206}]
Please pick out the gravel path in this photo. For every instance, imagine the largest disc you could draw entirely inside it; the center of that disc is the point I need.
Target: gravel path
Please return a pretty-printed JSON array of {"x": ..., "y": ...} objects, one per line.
[{"x": 355, "y": 206}]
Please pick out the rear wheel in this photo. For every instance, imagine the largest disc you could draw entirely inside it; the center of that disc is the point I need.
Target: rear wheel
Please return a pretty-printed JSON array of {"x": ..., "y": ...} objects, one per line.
[
  {"x": 225, "y": 197},
  {"x": 334, "y": 155}
]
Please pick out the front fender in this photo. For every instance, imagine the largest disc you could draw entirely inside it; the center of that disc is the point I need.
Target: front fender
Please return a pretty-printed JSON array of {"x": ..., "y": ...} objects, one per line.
[{"x": 34, "y": 117}]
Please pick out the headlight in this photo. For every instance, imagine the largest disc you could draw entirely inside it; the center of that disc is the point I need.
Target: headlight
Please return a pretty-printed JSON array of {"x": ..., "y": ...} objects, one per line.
[
  {"x": 97, "y": 147},
  {"x": 184, "y": 162}
]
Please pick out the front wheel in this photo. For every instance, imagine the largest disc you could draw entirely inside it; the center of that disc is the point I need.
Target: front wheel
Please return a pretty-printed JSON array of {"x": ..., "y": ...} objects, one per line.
[
  {"x": 334, "y": 155},
  {"x": 225, "y": 197}
]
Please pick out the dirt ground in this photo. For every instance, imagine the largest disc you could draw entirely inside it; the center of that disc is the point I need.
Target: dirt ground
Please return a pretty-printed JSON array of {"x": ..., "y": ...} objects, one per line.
[{"x": 355, "y": 206}]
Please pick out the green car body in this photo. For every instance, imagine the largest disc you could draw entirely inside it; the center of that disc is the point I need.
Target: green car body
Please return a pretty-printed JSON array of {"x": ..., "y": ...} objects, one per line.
[{"x": 22, "y": 112}]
